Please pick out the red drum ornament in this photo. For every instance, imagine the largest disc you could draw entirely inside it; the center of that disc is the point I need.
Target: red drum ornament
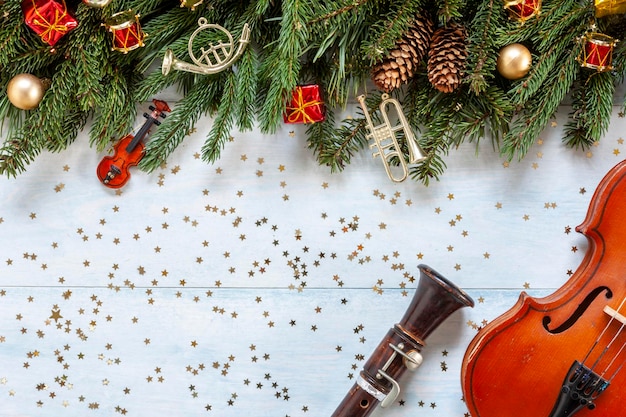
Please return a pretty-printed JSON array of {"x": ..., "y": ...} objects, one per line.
[
  {"x": 50, "y": 19},
  {"x": 522, "y": 10},
  {"x": 126, "y": 30},
  {"x": 597, "y": 51}
]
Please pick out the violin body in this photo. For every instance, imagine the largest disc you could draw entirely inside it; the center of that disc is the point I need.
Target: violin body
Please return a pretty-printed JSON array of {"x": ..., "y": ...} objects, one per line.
[
  {"x": 121, "y": 161},
  {"x": 562, "y": 354},
  {"x": 113, "y": 170}
]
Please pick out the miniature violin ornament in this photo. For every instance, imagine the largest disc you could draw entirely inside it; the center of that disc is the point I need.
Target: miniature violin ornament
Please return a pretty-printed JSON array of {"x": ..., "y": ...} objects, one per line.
[
  {"x": 562, "y": 354},
  {"x": 434, "y": 301},
  {"x": 113, "y": 171}
]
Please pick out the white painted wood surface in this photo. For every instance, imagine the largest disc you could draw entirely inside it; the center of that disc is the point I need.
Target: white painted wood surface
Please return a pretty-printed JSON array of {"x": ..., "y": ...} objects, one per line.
[{"x": 259, "y": 285}]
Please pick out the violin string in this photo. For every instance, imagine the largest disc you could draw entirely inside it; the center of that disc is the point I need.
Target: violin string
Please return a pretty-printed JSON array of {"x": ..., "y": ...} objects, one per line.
[
  {"x": 597, "y": 341},
  {"x": 607, "y": 348},
  {"x": 619, "y": 368},
  {"x": 621, "y": 365}
]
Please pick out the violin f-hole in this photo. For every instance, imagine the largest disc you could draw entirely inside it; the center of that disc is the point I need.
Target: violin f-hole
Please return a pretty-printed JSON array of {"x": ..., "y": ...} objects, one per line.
[{"x": 582, "y": 307}]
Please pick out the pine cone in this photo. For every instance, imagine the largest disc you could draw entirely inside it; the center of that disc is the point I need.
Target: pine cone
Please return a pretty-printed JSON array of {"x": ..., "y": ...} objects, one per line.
[
  {"x": 399, "y": 66},
  {"x": 446, "y": 58}
]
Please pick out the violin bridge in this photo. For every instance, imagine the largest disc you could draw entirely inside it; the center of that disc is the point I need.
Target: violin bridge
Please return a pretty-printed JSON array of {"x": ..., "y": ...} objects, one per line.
[{"x": 616, "y": 315}]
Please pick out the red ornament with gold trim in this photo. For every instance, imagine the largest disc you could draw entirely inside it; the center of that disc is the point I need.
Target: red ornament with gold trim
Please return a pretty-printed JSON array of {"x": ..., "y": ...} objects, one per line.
[
  {"x": 306, "y": 105},
  {"x": 597, "y": 51},
  {"x": 126, "y": 31},
  {"x": 609, "y": 7},
  {"x": 522, "y": 10},
  {"x": 50, "y": 19}
]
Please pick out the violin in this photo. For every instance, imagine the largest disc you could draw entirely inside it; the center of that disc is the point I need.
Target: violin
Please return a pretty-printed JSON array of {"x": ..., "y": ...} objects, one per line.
[
  {"x": 562, "y": 354},
  {"x": 113, "y": 171},
  {"x": 435, "y": 299}
]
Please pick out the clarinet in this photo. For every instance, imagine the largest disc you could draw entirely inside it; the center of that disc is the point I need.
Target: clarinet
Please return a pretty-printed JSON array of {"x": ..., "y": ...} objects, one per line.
[{"x": 434, "y": 301}]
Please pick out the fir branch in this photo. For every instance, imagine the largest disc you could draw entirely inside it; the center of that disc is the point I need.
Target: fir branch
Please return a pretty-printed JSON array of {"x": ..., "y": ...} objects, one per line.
[
  {"x": 482, "y": 48},
  {"x": 18, "y": 151},
  {"x": 536, "y": 115},
  {"x": 449, "y": 10},
  {"x": 57, "y": 104},
  {"x": 14, "y": 34},
  {"x": 220, "y": 132},
  {"x": 619, "y": 65},
  {"x": 462, "y": 116},
  {"x": 342, "y": 68},
  {"x": 247, "y": 79},
  {"x": 433, "y": 165},
  {"x": 335, "y": 146},
  {"x": 166, "y": 28},
  {"x": 73, "y": 122},
  {"x": 420, "y": 100},
  {"x": 330, "y": 13},
  {"x": 283, "y": 65},
  {"x": 385, "y": 32},
  {"x": 524, "y": 89},
  {"x": 180, "y": 122},
  {"x": 561, "y": 19},
  {"x": 435, "y": 145},
  {"x": 592, "y": 106},
  {"x": 477, "y": 117},
  {"x": 116, "y": 113},
  {"x": 551, "y": 56},
  {"x": 91, "y": 51}
]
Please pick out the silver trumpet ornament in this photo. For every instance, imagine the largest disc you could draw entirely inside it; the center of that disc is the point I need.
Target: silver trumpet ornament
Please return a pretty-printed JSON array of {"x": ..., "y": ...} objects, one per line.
[
  {"x": 211, "y": 60},
  {"x": 385, "y": 140}
]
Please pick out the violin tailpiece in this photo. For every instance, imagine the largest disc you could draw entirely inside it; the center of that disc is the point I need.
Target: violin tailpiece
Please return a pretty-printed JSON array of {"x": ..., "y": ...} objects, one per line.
[
  {"x": 113, "y": 172},
  {"x": 581, "y": 387}
]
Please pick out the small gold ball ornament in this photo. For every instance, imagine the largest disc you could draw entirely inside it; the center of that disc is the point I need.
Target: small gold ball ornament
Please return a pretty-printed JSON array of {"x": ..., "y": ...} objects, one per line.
[
  {"x": 514, "y": 61},
  {"x": 25, "y": 91}
]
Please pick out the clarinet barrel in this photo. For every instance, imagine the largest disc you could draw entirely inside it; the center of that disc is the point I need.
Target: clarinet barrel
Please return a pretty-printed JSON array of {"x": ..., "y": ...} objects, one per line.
[{"x": 434, "y": 301}]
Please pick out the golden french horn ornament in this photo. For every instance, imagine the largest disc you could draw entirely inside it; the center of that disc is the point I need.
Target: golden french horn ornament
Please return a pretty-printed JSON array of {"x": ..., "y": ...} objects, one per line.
[
  {"x": 385, "y": 140},
  {"x": 213, "y": 59}
]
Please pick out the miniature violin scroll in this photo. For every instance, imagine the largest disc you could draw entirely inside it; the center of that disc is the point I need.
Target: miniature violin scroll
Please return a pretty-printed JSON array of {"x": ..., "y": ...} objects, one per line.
[
  {"x": 434, "y": 301},
  {"x": 564, "y": 354},
  {"x": 113, "y": 170}
]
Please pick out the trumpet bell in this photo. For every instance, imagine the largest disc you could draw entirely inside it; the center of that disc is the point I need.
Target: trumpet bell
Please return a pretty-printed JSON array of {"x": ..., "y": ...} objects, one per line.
[
  {"x": 168, "y": 62},
  {"x": 416, "y": 154}
]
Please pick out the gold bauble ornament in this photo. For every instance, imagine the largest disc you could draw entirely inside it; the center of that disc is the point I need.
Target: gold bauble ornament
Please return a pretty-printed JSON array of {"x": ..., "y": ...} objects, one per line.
[
  {"x": 514, "y": 61},
  {"x": 25, "y": 91}
]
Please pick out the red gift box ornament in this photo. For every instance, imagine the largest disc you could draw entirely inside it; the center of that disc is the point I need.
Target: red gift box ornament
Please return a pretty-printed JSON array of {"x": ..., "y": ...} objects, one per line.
[
  {"x": 597, "y": 51},
  {"x": 50, "y": 19},
  {"x": 306, "y": 105},
  {"x": 126, "y": 31}
]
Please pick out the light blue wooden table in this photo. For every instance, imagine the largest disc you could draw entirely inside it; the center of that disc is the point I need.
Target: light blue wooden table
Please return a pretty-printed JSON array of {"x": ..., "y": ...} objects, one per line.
[{"x": 259, "y": 286}]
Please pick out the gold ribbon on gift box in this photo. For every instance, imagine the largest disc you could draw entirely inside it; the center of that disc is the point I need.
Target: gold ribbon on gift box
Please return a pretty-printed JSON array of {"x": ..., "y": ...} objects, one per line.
[
  {"x": 50, "y": 27},
  {"x": 610, "y": 7},
  {"x": 299, "y": 112}
]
